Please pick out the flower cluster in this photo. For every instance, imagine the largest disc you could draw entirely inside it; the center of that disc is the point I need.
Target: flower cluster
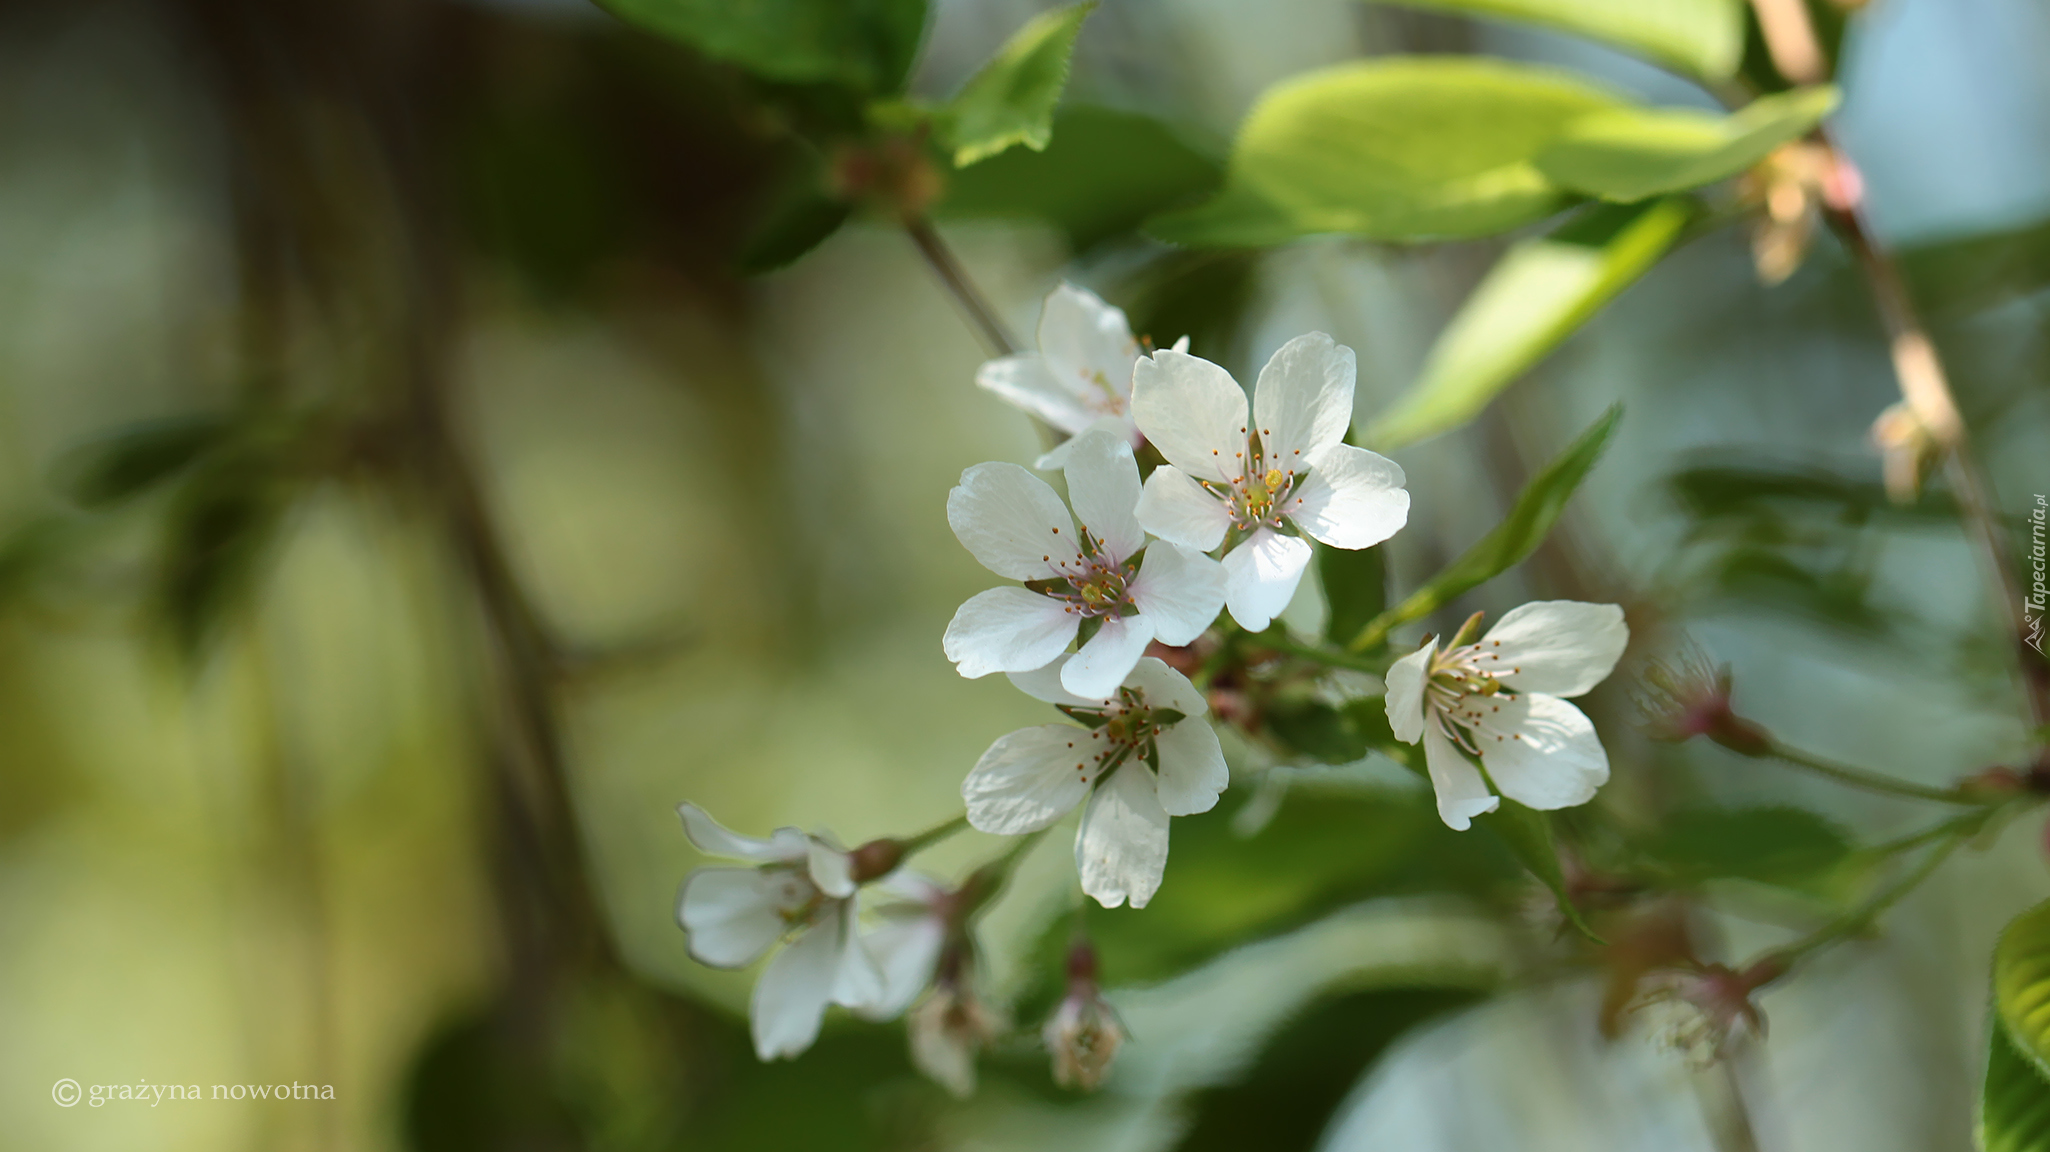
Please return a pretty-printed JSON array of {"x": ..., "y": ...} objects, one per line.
[{"x": 1223, "y": 524}]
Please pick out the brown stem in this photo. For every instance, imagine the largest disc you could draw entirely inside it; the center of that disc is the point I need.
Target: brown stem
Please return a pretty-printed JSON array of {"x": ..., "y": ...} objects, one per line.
[{"x": 995, "y": 336}]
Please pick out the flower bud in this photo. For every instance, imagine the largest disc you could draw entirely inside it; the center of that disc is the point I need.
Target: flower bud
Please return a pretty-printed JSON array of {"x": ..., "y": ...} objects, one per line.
[
  {"x": 1084, "y": 1034},
  {"x": 1706, "y": 1011},
  {"x": 1684, "y": 697}
]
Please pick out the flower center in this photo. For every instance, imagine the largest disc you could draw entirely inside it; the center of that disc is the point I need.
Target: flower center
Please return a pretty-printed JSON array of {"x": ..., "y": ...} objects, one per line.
[
  {"x": 1127, "y": 729},
  {"x": 797, "y": 899},
  {"x": 1464, "y": 689},
  {"x": 1258, "y": 496},
  {"x": 1093, "y": 582}
]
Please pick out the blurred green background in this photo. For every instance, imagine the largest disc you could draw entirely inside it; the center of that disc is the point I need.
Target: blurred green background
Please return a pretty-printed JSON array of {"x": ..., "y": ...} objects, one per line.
[{"x": 391, "y": 449}]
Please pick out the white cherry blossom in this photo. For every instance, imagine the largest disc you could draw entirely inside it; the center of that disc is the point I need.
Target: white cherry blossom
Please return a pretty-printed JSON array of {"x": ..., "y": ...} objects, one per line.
[
  {"x": 1081, "y": 377},
  {"x": 796, "y": 888},
  {"x": 1149, "y": 754},
  {"x": 1012, "y": 522},
  {"x": 1502, "y": 699},
  {"x": 1226, "y": 477}
]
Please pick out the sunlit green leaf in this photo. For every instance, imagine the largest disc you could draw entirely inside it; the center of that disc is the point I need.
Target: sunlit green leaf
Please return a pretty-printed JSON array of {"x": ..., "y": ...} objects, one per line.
[
  {"x": 1705, "y": 37},
  {"x": 1404, "y": 148},
  {"x": 1631, "y": 153},
  {"x": 1103, "y": 173},
  {"x": 866, "y": 44},
  {"x": 1011, "y": 100},
  {"x": 1542, "y": 291},
  {"x": 1537, "y": 508},
  {"x": 1528, "y": 834},
  {"x": 2021, "y": 984},
  {"x": 2014, "y": 1107}
]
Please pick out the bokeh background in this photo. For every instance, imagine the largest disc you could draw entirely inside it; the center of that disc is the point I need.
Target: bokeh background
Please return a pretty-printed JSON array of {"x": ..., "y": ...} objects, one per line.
[{"x": 409, "y": 501}]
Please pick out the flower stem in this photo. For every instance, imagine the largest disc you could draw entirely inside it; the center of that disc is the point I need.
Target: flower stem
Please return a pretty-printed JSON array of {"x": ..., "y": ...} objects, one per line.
[
  {"x": 983, "y": 318},
  {"x": 1862, "y": 916},
  {"x": 933, "y": 835},
  {"x": 1870, "y": 781}
]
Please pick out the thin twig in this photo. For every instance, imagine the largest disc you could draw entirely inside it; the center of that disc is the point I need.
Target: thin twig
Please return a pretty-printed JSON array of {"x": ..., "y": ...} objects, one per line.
[
  {"x": 995, "y": 336},
  {"x": 1870, "y": 781}
]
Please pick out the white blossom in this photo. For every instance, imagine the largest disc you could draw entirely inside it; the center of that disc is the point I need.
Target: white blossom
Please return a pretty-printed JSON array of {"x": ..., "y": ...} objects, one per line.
[
  {"x": 1012, "y": 522},
  {"x": 1502, "y": 700},
  {"x": 1149, "y": 755},
  {"x": 1226, "y": 477},
  {"x": 798, "y": 889},
  {"x": 1081, "y": 377}
]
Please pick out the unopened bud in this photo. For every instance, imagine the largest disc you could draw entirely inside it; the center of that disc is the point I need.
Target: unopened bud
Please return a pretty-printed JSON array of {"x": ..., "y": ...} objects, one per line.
[{"x": 875, "y": 859}]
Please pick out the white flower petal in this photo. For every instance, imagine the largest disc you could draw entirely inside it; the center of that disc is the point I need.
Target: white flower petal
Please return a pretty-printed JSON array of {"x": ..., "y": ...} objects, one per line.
[
  {"x": 832, "y": 869},
  {"x": 1011, "y": 522},
  {"x": 1557, "y": 647},
  {"x": 1008, "y": 630},
  {"x": 1088, "y": 343},
  {"x": 905, "y": 949},
  {"x": 1121, "y": 849},
  {"x": 715, "y": 839},
  {"x": 1180, "y": 590},
  {"x": 1539, "y": 750},
  {"x": 1192, "y": 769},
  {"x": 1303, "y": 401},
  {"x": 732, "y": 915},
  {"x": 1028, "y": 382},
  {"x": 1352, "y": 498},
  {"x": 1462, "y": 792},
  {"x": 1104, "y": 662},
  {"x": 1056, "y": 458},
  {"x": 1174, "y": 507},
  {"x": 1103, "y": 487},
  {"x": 1193, "y": 411},
  {"x": 1029, "y": 779},
  {"x": 790, "y": 997},
  {"x": 857, "y": 980},
  {"x": 1405, "y": 701},
  {"x": 1260, "y": 577},
  {"x": 1045, "y": 684},
  {"x": 1164, "y": 687}
]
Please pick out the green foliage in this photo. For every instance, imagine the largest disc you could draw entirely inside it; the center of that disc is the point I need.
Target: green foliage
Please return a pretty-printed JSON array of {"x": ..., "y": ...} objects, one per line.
[
  {"x": 1628, "y": 154},
  {"x": 1540, "y": 292},
  {"x": 219, "y": 529},
  {"x": 1537, "y": 508},
  {"x": 1393, "y": 149},
  {"x": 1103, "y": 173},
  {"x": 1787, "y": 847},
  {"x": 1355, "y": 582},
  {"x": 1961, "y": 277},
  {"x": 2014, "y": 1107},
  {"x": 1705, "y": 37},
  {"x": 1011, "y": 99},
  {"x": 867, "y": 45},
  {"x": 2021, "y": 984},
  {"x": 1528, "y": 833},
  {"x": 129, "y": 463}
]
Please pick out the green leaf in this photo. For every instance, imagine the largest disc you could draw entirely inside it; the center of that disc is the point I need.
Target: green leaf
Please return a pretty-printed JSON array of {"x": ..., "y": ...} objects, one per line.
[
  {"x": 1316, "y": 730},
  {"x": 1705, "y": 37},
  {"x": 1104, "y": 172},
  {"x": 2021, "y": 984},
  {"x": 1528, "y": 833},
  {"x": 130, "y": 462},
  {"x": 1631, "y": 153},
  {"x": 2014, "y": 1109},
  {"x": 1789, "y": 847},
  {"x": 1542, "y": 291},
  {"x": 1355, "y": 584},
  {"x": 1537, "y": 509},
  {"x": 865, "y": 44},
  {"x": 1403, "y": 148},
  {"x": 1011, "y": 100}
]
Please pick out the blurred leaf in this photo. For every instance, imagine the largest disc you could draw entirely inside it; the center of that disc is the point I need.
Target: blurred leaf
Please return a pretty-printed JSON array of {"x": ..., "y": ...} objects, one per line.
[
  {"x": 1316, "y": 730},
  {"x": 1839, "y": 596},
  {"x": 1771, "y": 489},
  {"x": 1404, "y": 148},
  {"x": 1705, "y": 37},
  {"x": 2021, "y": 985},
  {"x": 1528, "y": 834},
  {"x": 219, "y": 529},
  {"x": 134, "y": 460},
  {"x": 1541, "y": 292},
  {"x": 1788, "y": 847},
  {"x": 802, "y": 220},
  {"x": 1963, "y": 276},
  {"x": 1012, "y": 98},
  {"x": 1103, "y": 173},
  {"x": 1631, "y": 153},
  {"x": 1355, "y": 584},
  {"x": 1537, "y": 508},
  {"x": 2014, "y": 1108},
  {"x": 867, "y": 44},
  {"x": 1290, "y": 1092}
]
